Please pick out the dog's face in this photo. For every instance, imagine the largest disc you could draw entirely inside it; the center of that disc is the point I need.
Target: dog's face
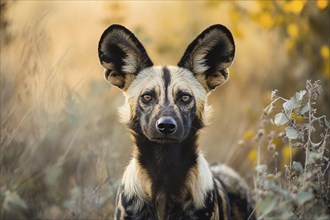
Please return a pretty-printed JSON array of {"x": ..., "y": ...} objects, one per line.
[{"x": 165, "y": 102}]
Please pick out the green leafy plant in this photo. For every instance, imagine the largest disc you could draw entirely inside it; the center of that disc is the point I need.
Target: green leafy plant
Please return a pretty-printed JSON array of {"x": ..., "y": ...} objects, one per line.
[{"x": 303, "y": 192}]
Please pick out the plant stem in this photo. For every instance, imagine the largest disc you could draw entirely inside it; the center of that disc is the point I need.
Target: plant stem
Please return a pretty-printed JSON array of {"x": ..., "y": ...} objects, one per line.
[
  {"x": 272, "y": 103},
  {"x": 310, "y": 118},
  {"x": 258, "y": 165}
]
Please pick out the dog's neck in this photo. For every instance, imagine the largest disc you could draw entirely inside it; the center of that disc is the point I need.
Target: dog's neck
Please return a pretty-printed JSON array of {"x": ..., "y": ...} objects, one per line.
[
  {"x": 168, "y": 173},
  {"x": 167, "y": 165}
]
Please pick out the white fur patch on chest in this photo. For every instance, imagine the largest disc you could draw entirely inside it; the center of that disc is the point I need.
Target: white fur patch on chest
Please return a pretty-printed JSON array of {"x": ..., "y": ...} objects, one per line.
[
  {"x": 136, "y": 184},
  {"x": 200, "y": 181}
]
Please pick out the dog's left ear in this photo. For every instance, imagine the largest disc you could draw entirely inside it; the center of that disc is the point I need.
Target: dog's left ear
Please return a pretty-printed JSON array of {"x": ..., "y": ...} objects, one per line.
[
  {"x": 209, "y": 56},
  {"x": 122, "y": 55}
]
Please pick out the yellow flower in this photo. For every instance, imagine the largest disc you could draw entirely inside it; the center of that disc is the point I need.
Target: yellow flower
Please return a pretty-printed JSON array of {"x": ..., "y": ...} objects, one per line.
[
  {"x": 266, "y": 20},
  {"x": 248, "y": 135},
  {"x": 298, "y": 118},
  {"x": 286, "y": 153},
  {"x": 324, "y": 51},
  {"x": 322, "y": 4},
  {"x": 293, "y": 30},
  {"x": 252, "y": 156},
  {"x": 295, "y": 6}
]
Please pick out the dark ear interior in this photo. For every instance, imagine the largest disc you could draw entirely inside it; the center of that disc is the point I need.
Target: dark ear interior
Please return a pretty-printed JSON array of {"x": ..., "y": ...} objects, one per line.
[
  {"x": 210, "y": 55},
  {"x": 122, "y": 55}
]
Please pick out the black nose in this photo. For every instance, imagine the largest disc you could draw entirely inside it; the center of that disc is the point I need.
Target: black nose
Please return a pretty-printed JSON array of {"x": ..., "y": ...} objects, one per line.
[{"x": 166, "y": 125}]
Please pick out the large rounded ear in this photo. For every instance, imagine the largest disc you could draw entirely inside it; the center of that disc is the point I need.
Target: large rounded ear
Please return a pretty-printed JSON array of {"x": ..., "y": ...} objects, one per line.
[
  {"x": 122, "y": 55},
  {"x": 209, "y": 56}
]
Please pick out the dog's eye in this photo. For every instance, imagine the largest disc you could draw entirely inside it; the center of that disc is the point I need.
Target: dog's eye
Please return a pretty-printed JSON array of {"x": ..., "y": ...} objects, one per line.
[
  {"x": 146, "y": 98},
  {"x": 185, "y": 98}
]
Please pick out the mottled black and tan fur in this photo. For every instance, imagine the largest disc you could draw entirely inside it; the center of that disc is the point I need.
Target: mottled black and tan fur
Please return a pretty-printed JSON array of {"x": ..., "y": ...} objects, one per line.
[{"x": 168, "y": 176}]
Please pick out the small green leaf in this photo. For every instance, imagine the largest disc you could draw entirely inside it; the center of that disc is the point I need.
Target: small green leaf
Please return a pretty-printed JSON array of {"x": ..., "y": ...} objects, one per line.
[
  {"x": 291, "y": 104},
  {"x": 313, "y": 157},
  {"x": 291, "y": 133},
  {"x": 280, "y": 119},
  {"x": 14, "y": 201},
  {"x": 319, "y": 89},
  {"x": 305, "y": 109},
  {"x": 304, "y": 197},
  {"x": 262, "y": 168},
  {"x": 300, "y": 95},
  {"x": 297, "y": 166},
  {"x": 264, "y": 207}
]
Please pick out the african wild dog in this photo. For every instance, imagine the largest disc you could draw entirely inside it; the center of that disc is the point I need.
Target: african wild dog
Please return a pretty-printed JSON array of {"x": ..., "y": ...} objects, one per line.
[{"x": 168, "y": 176}]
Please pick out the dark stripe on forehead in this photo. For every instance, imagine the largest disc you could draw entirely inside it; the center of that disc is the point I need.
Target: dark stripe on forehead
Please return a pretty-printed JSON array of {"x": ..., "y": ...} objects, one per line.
[
  {"x": 167, "y": 80},
  {"x": 166, "y": 76}
]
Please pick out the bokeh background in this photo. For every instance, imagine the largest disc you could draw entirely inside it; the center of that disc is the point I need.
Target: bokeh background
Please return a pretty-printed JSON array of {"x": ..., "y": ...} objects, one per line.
[{"x": 63, "y": 150}]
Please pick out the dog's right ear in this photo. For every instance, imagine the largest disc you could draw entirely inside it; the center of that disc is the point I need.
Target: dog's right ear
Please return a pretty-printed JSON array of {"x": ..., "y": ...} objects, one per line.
[{"x": 122, "y": 55}]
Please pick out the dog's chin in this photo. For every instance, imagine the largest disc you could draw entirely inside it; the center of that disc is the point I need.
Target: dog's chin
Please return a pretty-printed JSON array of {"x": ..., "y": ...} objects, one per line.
[{"x": 165, "y": 140}]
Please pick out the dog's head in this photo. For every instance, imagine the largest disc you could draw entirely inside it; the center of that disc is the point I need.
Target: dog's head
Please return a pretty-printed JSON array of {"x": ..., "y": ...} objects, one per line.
[{"x": 164, "y": 103}]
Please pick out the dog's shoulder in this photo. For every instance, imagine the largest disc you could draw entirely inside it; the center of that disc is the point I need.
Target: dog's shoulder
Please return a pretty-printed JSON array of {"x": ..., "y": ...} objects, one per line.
[{"x": 132, "y": 207}]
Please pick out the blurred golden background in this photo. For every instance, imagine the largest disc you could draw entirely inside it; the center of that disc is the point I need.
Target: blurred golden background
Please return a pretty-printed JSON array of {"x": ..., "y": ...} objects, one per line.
[{"x": 63, "y": 149}]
